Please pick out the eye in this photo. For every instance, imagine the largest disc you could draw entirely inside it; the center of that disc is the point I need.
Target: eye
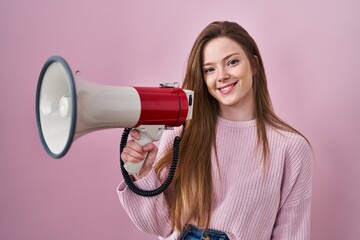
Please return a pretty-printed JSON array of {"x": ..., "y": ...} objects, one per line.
[
  {"x": 233, "y": 62},
  {"x": 209, "y": 70}
]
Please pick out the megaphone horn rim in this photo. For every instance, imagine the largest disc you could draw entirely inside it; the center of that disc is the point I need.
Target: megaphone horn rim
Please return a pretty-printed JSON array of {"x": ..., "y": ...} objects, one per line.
[{"x": 73, "y": 116}]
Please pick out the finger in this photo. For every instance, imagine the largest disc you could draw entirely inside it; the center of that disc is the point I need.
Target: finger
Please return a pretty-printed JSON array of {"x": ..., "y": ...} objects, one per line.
[
  {"x": 132, "y": 153},
  {"x": 134, "y": 134},
  {"x": 150, "y": 147},
  {"x": 134, "y": 146},
  {"x": 152, "y": 150},
  {"x": 129, "y": 158}
]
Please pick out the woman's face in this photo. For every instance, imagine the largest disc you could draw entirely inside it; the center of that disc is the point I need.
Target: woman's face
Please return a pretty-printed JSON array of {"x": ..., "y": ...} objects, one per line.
[{"x": 228, "y": 75}]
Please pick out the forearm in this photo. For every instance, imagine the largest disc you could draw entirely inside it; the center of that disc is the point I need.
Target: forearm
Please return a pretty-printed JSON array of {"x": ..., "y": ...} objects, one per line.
[
  {"x": 293, "y": 222},
  {"x": 293, "y": 219},
  {"x": 149, "y": 214}
]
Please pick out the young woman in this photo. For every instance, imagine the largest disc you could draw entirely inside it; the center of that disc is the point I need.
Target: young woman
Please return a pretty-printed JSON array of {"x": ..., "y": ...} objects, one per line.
[{"x": 243, "y": 173}]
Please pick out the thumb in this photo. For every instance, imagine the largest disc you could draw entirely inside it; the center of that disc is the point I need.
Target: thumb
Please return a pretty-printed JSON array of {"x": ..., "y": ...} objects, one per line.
[{"x": 152, "y": 150}]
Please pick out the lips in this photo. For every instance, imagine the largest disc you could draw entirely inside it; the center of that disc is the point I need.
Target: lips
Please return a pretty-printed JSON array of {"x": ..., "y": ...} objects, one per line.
[{"x": 227, "y": 88}]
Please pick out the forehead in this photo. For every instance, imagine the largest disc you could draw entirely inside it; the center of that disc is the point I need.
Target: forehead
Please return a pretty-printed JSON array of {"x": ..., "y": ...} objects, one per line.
[{"x": 218, "y": 48}]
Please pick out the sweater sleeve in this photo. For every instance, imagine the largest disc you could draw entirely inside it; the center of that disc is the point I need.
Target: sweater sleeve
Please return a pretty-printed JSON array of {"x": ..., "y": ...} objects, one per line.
[
  {"x": 293, "y": 218},
  {"x": 149, "y": 214}
]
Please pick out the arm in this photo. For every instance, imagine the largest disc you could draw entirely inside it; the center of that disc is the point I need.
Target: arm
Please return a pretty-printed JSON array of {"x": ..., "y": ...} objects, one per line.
[
  {"x": 149, "y": 214},
  {"x": 293, "y": 218}
]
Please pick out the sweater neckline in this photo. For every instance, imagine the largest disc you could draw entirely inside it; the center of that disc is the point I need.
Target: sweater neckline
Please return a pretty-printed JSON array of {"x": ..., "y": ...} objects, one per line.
[{"x": 236, "y": 124}]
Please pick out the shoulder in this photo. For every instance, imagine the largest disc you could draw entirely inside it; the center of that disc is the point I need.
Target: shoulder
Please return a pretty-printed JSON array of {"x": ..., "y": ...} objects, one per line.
[
  {"x": 297, "y": 164},
  {"x": 291, "y": 141},
  {"x": 292, "y": 147},
  {"x": 298, "y": 146}
]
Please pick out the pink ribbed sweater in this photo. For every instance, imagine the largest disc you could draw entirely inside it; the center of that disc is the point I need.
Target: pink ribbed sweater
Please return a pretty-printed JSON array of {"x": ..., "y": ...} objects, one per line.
[{"x": 248, "y": 205}]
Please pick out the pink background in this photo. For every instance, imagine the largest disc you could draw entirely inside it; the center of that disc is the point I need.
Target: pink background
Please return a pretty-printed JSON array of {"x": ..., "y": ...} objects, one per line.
[{"x": 311, "y": 52}]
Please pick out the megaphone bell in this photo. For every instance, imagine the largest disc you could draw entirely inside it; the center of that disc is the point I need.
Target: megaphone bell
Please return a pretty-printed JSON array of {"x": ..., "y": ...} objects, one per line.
[{"x": 68, "y": 108}]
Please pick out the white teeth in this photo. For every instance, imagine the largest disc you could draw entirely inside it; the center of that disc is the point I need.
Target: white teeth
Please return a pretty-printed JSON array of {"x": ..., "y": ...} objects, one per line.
[{"x": 227, "y": 88}]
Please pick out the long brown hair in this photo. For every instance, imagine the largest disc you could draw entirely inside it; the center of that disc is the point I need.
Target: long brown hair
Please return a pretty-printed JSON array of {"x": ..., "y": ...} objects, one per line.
[{"x": 190, "y": 195}]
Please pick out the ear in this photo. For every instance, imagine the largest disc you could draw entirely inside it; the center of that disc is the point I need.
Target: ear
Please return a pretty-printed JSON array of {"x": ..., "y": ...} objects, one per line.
[{"x": 256, "y": 66}]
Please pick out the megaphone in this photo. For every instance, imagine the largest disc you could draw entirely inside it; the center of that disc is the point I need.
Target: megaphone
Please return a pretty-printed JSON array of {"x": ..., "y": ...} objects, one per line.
[{"x": 68, "y": 107}]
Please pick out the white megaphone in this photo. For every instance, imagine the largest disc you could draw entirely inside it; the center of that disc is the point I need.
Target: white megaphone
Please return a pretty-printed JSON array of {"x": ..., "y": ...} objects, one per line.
[{"x": 68, "y": 107}]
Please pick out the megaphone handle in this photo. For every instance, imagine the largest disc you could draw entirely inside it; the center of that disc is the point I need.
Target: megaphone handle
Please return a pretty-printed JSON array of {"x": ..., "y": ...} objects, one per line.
[{"x": 148, "y": 134}]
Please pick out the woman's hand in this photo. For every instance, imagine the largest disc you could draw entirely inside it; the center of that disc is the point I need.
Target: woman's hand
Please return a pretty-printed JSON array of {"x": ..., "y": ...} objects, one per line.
[{"x": 134, "y": 153}]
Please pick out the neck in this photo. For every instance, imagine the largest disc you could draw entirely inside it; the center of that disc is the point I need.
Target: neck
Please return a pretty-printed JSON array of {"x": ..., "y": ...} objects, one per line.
[
  {"x": 240, "y": 112},
  {"x": 234, "y": 114}
]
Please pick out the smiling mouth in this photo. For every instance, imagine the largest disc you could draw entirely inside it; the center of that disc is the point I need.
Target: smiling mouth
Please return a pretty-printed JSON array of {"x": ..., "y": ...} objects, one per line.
[{"x": 227, "y": 88}]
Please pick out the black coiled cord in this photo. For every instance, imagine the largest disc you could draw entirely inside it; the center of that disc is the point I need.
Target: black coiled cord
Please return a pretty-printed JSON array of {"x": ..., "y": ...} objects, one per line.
[{"x": 129, "y": 182}]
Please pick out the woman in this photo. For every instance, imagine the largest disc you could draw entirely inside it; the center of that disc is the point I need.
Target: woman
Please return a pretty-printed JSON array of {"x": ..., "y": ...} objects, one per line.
[{"x": 243, "y": 172}]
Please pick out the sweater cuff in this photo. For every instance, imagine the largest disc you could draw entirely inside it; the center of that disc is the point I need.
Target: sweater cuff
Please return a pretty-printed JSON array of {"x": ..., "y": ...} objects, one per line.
[{"x": 149, "y": 182}]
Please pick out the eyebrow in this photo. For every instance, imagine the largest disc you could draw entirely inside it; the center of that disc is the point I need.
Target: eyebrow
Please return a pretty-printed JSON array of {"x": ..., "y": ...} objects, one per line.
[{"x": 226, "y": 57}]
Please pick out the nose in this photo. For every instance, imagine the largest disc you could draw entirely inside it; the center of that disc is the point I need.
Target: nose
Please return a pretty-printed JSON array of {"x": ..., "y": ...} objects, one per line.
[{"x": 223, "y": 75}]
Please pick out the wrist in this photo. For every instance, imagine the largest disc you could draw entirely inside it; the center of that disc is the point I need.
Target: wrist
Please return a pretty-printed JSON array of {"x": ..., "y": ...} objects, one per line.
[{"x": 142, "y": 173}]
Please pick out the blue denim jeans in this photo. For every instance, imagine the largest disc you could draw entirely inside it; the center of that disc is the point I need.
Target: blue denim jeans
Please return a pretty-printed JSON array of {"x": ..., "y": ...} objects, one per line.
[{"x": 191, "y": 232}]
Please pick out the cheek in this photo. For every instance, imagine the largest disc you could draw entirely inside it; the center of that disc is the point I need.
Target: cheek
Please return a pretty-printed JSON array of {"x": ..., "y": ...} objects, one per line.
[
  {"x": 246, "y": 77},
  {"x": 246, "y": 85},
  {"x": 211, "y": 87},
  {"x": 210, "y": 84}
]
